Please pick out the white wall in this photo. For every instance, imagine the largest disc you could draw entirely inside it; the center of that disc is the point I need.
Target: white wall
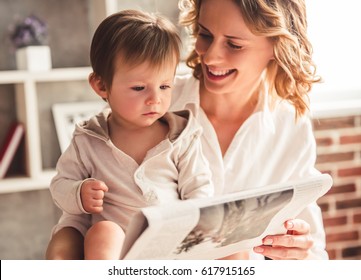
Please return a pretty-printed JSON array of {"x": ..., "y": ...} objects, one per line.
[{"x": 334, "y": 28}]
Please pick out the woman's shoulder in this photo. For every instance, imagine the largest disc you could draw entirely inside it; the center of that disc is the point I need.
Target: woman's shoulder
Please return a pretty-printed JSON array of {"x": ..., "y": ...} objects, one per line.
[
  {"x": 182, "y": 82},
  {"x": 284, "y": 115},
  {"x": 185, "y": 91}
]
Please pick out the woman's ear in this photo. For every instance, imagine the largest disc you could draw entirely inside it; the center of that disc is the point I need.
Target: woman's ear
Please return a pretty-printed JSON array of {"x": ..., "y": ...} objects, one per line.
[{"x": 98, "y": 85}]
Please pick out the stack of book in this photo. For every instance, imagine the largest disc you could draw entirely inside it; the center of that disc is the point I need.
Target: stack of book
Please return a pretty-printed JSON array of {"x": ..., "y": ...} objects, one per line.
[{"x": 10, "y": 146}]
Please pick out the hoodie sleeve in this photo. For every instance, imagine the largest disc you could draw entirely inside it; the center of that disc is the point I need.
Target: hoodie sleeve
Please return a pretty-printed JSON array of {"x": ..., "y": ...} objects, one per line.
[
  {"x": 195, "y": 178},
  {"x": 65, "y": 186}
]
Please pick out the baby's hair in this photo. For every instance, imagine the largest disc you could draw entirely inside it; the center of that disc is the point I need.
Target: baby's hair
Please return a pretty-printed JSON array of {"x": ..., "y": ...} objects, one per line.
[
  {"x": 292, "y": 72},
  {"x": 138, "y": 37}
]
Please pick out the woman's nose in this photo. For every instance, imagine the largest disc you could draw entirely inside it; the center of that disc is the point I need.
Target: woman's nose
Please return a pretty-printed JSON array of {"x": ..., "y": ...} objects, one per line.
[{"x": 212, "y": 52}]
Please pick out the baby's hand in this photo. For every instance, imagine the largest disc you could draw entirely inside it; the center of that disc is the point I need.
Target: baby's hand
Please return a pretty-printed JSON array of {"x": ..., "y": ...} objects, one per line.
[{"x": 92, "y": 194}]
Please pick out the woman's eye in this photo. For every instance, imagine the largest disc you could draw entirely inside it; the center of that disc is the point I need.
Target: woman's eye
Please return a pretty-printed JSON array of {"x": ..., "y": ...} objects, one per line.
[
  {"x": 205, "y": 35},
  {"x": 138, "y": 88},
  {"x": 164, "y": 87},
  {"x": 233, "y": 46}
]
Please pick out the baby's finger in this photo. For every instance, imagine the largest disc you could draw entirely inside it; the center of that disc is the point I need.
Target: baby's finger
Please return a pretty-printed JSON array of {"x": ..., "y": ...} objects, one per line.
[
  {"x": 96, "y": 207},
  {"x": 99, "y": 185},
  {"x": 97, "y": 194}
]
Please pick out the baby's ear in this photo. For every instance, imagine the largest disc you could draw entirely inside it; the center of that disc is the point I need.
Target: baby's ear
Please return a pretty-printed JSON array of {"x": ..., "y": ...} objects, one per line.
[{"x": 98, "y": 85}]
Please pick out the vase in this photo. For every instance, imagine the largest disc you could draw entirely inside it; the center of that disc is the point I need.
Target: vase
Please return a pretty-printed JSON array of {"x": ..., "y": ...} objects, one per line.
[{"x": 33, "y": 58}]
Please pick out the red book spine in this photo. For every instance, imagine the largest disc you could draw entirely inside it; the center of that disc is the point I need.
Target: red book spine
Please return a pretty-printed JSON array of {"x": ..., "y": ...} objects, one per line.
[{"x": 10, "y": 146}]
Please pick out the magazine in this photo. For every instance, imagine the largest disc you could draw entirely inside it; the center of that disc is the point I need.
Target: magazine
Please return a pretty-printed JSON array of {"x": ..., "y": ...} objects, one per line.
[{"x": 212, "y": 228}]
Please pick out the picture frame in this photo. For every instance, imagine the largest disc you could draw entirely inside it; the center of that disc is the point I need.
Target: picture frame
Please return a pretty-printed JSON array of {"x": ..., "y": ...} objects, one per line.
[{"x": 66, "y": 115}]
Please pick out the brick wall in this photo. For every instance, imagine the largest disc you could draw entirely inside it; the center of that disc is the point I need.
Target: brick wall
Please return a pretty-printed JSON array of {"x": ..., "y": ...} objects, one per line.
[{"x": 339, "y": 154}]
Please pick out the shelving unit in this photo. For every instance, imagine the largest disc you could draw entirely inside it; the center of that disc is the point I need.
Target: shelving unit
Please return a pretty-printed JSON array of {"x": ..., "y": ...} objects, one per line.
[
  {"x": 27, "y": 112},
  {"x": 27, "y": 102}
]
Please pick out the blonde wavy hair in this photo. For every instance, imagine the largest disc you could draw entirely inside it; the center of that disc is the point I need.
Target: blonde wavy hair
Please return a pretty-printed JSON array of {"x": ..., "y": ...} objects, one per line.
[{"x": 292, "y": 73}]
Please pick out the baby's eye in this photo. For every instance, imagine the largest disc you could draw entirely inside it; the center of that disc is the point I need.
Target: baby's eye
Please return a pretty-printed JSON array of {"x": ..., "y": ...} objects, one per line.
[
  {"x": 164, "y": 87},
  {"x": 138, "y": 88}
]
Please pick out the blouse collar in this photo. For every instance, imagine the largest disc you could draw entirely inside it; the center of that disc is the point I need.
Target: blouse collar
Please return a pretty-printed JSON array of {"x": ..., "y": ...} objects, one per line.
[{"x": 189, "y": 99}]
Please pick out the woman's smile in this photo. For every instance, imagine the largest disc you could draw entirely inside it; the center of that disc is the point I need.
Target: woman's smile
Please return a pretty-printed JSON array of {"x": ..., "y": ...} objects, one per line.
[{"x": 218, "y": 74}]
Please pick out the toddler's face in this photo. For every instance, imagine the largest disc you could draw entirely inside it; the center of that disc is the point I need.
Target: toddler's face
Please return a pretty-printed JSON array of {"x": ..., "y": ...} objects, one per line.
[{"x": 140, "y": 94}]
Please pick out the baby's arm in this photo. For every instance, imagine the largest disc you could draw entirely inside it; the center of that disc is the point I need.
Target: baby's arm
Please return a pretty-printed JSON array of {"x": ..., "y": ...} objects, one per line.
[{"x": 65, "y": 187}]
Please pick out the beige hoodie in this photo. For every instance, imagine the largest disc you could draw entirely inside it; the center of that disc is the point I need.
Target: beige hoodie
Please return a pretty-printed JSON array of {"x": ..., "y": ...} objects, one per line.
[{"x": 174, "y": 169}]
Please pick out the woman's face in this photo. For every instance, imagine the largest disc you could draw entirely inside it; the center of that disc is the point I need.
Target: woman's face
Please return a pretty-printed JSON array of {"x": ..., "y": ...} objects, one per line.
[{"x": 232, "y": 57}]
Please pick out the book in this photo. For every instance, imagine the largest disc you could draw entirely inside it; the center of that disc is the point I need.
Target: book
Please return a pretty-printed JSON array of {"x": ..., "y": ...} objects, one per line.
[
  {"x": 10, "y": 146},
  {"x": 212, "y": 228}
]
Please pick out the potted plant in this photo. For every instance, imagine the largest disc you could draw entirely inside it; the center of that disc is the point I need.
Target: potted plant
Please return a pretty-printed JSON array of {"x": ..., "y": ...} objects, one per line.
[{"x": 30, "y": 39}]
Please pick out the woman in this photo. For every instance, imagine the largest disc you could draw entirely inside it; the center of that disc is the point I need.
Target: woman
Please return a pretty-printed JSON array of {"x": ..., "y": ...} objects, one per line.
[
  {"x": 253, "y": 67},
  {"x": 252, "y": 72}
]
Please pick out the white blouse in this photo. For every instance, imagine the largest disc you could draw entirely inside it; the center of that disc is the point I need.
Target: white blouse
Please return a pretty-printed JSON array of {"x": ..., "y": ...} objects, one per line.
[{"x": 270, "y": 147}]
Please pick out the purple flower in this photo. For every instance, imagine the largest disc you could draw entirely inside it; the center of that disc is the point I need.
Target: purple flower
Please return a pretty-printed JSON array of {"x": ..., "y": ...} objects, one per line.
[{"x": 30, "y": 32}]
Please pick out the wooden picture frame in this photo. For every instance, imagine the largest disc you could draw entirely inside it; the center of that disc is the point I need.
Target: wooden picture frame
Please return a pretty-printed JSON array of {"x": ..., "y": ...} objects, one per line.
[{"x": 66, "y": 115}]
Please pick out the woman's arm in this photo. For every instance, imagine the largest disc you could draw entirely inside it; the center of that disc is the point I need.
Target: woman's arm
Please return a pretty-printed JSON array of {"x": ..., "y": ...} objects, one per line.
[{"x": 305, "y": 237}]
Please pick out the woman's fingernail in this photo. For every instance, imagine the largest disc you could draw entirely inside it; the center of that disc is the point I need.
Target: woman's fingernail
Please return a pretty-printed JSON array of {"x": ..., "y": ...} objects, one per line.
[
  {"x": 289, "y": 225},
  {"x": 258, "y": 249},
  {"x": 268, "y": 241}
]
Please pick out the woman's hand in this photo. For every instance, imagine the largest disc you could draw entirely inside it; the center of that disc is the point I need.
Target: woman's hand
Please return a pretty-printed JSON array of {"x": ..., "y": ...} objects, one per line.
[{"x": 294, "y": 245}]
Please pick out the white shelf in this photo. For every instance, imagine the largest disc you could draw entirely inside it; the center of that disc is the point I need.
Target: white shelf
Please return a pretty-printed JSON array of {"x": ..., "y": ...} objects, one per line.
[
  {"x": 27, "y": 112},
  {"x": 54, "y": 75},
  {"x": 17, "y": 184},
  {"x": 26, "y": 99}
]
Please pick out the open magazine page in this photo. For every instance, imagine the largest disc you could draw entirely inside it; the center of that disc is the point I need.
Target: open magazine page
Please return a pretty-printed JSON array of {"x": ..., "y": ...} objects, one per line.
[
  {"x": 220, "y": 226},
  {"x": 156, "y": 231},
  {"x": 233, "y": 226},
  {"x": 243, "y": 223}
]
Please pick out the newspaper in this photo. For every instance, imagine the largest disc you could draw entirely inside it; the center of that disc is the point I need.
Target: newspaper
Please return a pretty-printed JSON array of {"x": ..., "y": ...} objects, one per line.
[{"x": 216, "y": 227}]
